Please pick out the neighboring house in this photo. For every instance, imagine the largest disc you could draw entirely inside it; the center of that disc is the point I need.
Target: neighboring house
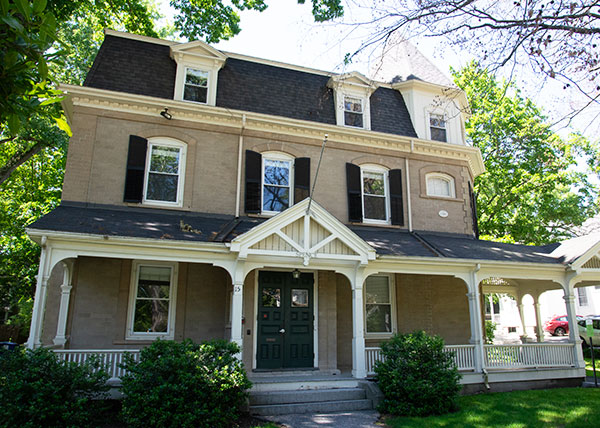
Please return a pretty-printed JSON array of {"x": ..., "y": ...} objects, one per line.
[{"x": 185, "y": 214}]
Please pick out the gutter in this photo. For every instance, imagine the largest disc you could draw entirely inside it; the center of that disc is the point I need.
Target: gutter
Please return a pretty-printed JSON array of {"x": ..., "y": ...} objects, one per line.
[{"x": 238, "y": 190}]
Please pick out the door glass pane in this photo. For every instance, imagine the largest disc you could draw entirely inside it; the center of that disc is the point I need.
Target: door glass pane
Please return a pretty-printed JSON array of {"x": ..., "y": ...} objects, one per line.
[
  {"x": 378, "y": 318},
  {"x": 299, "y": 298},
  {"x": 271, "y": 297}
]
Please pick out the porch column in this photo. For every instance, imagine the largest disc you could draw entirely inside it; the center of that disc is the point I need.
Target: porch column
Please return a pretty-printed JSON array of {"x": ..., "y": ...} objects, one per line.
[
  {"x": 63, "y": 311},
  {"x": 476, "y": 320},
  {"x": 573, "y": 330},
  {"x": 521, "y": 308},
  {"x": 237, "y": 306},
  {"x": 359, "y": 368},
  {"x": 539, "y": 330},
  {"x": 39, "y": 302}
]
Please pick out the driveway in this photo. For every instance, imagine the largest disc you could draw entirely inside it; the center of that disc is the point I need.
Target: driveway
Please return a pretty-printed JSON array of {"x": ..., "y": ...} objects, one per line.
[{"x": 359, "y": 419}]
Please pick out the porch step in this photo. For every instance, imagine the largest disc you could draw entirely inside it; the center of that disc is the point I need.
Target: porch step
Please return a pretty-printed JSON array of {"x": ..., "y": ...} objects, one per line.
[{"x": 308, "y": 401}]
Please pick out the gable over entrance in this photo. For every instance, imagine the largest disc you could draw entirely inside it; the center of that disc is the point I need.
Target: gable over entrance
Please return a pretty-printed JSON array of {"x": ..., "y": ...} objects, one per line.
[{"x": 304, "y": 233}]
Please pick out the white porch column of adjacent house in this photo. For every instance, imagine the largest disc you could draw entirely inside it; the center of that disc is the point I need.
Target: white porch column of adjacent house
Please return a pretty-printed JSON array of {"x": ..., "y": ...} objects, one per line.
[
  {"x": 521, "y": 309},
  {"x": 539, "y": 330},
  {"x": 573, "y": 329},
  {"x": 237, "y": 306},
  {"x": 39, "y": 302},
  {"x": 359, "y": 368},
  {"x": 476, "y": 320},
  {"x": 63, "y": 311}
]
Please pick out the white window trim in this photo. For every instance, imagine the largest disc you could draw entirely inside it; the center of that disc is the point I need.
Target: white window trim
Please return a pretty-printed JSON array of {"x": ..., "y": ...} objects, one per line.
[
  {"x": 392, "y": 290},
  {"x": 340, "y": 94},
  {"x": 206, "y": 66},
  {"x": 280, "y": 157},
  {"x": 208, "y": 81},
  {"x": 169, "y": 142},
  {"x": 378, "y": 170},
  {"x": 428, "y": 125},
  {"x": 444, "y": 177},
  {"x": 135, "y": 270}
]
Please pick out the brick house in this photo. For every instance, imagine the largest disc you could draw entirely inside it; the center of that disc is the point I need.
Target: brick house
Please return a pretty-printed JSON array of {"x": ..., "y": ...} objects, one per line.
[{"x": 186, "y": 214}]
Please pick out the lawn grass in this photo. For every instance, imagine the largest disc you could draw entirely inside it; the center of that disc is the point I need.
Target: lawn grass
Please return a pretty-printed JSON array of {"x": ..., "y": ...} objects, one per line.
[
  {"x": 589, "y": 369},
  {"x": 561, "y": 407}
]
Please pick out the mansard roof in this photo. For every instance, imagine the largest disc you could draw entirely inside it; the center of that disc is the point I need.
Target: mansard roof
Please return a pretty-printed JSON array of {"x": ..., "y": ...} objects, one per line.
[
  {"x": 78, "y": 219},
  {"x": 143, "y": 66}
]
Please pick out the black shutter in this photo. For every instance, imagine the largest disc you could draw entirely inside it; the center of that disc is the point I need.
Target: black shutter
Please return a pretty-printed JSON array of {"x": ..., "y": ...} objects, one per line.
[
  {"x": 473, "y": 200},
  {"x": 136, "y": 163},
  {"x": 301, "y": 179},
  {"x": 396, "y": 205},
  {"x": 354, "y": 194},
  {"x": 253, "y": 181}
]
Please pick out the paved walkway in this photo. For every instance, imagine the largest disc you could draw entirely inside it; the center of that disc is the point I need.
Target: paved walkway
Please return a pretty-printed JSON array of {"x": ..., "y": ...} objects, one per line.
[{"x": 359, "y": 419}]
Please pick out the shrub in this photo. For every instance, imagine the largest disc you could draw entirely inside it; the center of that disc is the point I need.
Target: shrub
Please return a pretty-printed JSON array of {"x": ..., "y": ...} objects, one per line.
[
  {"x": 490, "y": 332},
  {"x": 417, "y": 377},
  {"x": 184, "y": 385},
  {"x": 37, "y": 389}
]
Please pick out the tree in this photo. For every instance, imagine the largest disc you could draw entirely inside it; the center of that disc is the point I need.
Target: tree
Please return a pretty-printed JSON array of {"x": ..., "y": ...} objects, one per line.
[
  {"x": 531, "y": 191},
  {"x": 555, "y": 39}
]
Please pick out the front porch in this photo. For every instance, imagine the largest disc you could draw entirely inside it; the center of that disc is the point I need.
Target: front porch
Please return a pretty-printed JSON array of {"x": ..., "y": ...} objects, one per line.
[{"x": 110, "y": 295}]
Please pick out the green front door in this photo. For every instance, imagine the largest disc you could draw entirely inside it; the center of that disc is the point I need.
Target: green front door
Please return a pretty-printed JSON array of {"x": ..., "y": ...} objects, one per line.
[{"x": 285, "y": 321}]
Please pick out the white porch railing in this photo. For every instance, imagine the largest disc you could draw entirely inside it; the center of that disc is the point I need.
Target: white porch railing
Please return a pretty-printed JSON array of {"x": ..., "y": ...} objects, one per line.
[
  {"x": 463, "y": 357},
  {"x": 111, "y": 359},
  {"x": 541, "y": 355},
  {"x": 529, "y": 355}
]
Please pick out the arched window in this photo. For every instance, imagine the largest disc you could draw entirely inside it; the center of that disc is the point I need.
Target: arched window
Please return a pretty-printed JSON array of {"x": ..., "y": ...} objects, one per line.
[
  {"x": 277, "y": 182},
  {"x": 375, "y": 192},
  {"x": 164, "y": 172},
  {"x": 440, "y": 185}
]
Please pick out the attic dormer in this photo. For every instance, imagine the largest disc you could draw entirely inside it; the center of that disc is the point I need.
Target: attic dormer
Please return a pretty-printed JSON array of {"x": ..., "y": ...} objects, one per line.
[
  {"x": 438, "y": 112},
  {"x": 352, "y": 95},
  {"x": 198, "y": 66}
]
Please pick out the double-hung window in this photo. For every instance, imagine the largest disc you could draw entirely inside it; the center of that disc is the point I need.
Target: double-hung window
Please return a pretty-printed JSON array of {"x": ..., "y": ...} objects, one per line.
[
  {"x": 375, "y": 195},
  {"x": 165, "y": 162},
  {"x": 353, "y": 112},
  {"x": 152, "y": 300},
  {"x": 196, "y": 85},
  {"x": 379, "y": 305},
  {"x": 276, "y": 183},
  {"x": 437, "y": 127}
]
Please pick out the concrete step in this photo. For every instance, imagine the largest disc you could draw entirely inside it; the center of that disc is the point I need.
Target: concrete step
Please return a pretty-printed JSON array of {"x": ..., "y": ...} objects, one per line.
[
  {"x": 324, "y": 407},
  {"x": 306, "y": 396}
]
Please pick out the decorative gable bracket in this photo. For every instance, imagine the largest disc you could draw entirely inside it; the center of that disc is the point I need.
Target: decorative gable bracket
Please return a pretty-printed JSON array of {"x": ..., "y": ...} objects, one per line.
[{"x": 305, "y": 235}]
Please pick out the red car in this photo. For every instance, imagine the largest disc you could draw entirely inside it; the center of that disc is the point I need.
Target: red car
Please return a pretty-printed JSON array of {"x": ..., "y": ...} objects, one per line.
[{"x": 558, "y": 325}]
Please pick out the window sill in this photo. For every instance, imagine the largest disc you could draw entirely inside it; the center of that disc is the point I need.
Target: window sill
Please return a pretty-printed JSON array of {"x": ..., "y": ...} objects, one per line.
[
  {"x": 441, "y": 198},
  {"x": 149, "y": 338},
  {"x": 156, "y": 206},
  {"x": 388, "y": 226}
]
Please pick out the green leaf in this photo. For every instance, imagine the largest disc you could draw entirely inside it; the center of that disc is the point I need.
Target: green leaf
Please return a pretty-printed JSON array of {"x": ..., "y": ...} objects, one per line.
[
  {"x": 24, "y": 8},
  {"x": 4, "y": 5},
  {"x": 14, "y": 124},
  {"x": 14, "y": 23},
  {"x": 43, "y": 68},
  {"x": 39, "y": 5},
  {"x": 62, "y": 124}
]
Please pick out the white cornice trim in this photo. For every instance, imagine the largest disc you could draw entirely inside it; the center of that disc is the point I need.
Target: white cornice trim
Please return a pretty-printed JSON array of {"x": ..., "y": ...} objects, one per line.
[{"x": 151, "y": 106}]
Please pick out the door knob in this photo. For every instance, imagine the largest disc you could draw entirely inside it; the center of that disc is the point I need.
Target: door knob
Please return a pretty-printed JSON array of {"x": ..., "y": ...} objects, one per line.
[{"x": 282, "y": 331}]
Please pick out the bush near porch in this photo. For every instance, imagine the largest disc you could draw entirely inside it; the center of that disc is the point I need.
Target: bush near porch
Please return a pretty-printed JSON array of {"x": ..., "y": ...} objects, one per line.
[
  {"x": 184, "y": 385},
  {"x": 417, "y": 377},
  {"x": 39, "y": 390},
  {"x": 562, "y": 407}
]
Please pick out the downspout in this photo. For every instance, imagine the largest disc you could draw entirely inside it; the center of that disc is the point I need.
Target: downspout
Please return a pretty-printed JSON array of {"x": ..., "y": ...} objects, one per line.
[
  {"x": 408, "y": 204},
  {"x": 238, "y": 189}
]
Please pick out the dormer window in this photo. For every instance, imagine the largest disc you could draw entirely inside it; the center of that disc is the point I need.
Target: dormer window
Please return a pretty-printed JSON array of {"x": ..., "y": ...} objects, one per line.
[
  {"x": 353, "y": 112},
  {"x": 352, "y": 93},
  {"x": 437, "y": 127},
  {"x": 196, "y": 85}
]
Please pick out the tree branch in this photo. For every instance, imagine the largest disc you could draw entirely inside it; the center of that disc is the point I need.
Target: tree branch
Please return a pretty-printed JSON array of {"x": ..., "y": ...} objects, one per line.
[{"x": 19, "y": 159}]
